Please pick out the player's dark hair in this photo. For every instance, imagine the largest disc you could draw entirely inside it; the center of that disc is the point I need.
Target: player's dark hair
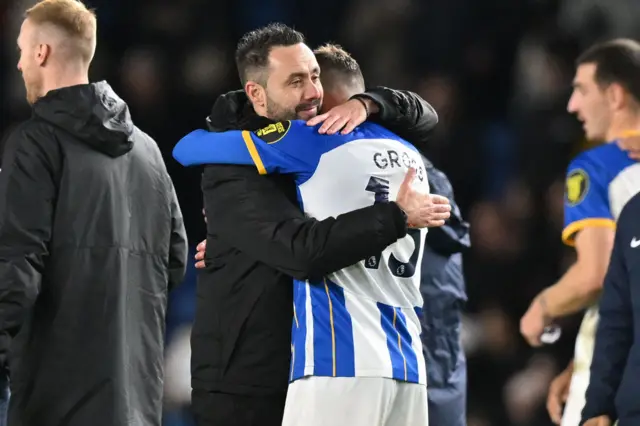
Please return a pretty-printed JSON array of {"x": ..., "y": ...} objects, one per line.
[
  {"x": 616, "y": 61},
  {"x": 252, "y": 52},
  {"x": 338, "y": 68}
]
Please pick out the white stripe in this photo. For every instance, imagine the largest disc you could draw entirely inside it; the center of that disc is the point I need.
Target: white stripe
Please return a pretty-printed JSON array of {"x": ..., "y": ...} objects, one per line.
[
  {"x": 622, "y": 188},
  {"x": 370, "y": 342},
  {"x": 413, "y": 324},
  {"x": 308, "y": 345}
]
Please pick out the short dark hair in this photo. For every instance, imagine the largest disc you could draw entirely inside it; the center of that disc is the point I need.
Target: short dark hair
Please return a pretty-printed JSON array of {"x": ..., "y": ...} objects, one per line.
[
  {"x": 252, "y": 53},
  {"x": 616, "y": 61},
  {"x": 337, "y": 66}
]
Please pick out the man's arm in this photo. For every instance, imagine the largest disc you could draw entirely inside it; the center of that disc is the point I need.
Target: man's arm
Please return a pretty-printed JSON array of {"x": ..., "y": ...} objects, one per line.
[
  {"x": 589, "y": 226},
  {"x": 27, "y": 202},
  {"x": 614, "y": 336},
  {"x": 178, "y": 249},
  {"x": 252, "y": 213},
  {"x": 577, "y": 289},
  {"x": 581, "y": 285},
  {"x": 403, "y": 112}
]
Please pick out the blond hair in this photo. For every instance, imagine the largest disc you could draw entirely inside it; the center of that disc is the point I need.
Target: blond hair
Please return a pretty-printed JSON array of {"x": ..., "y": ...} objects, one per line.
[
  {"x": 338, "y": 67},
  {"x": 73, "y": 19}
]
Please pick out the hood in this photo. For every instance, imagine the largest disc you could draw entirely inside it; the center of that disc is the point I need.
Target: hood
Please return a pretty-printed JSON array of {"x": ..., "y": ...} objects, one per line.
[
  {"x": 233, "y": 111},
  {"x": 93, "y": 113}
]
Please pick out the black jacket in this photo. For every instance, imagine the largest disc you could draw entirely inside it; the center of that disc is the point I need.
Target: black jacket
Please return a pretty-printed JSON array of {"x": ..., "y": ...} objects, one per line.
[
  {"x": 614, "y": 383},
  {"x": 91, "y": 240},
  {"x": 258, "y": 239}
]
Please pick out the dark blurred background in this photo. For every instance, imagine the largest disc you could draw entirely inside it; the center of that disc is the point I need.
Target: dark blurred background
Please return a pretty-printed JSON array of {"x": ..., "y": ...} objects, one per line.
[{"x": 497, "y": 71}]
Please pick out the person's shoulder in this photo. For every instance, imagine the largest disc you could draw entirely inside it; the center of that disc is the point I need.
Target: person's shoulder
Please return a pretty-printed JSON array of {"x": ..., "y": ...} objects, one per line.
[
  {"x": 607, "y": 156},
  {"x": 369, "y": 130},
  {"x": 599, "y": 164},
  {"x": 285, "y": 131},
  {"x": 32, "y": 134}
]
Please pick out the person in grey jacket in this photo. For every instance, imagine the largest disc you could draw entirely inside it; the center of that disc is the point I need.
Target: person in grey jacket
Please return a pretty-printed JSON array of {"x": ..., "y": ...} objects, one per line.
[{"x": 443, "y": 290}]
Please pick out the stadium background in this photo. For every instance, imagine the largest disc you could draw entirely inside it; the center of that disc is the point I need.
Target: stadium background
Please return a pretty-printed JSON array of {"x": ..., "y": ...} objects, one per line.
[{"x": 497, "y": 71}]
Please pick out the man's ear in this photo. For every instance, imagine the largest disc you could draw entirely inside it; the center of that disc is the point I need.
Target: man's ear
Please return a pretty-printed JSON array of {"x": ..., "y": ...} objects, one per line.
[
  {"x": 256, "y": 93},
  {"x": 42, "y": 53},
  {"x": 616, "y": 96}
]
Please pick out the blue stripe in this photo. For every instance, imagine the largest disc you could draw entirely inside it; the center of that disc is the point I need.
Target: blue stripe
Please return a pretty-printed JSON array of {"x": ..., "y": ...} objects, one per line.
[
  {"x": 407, "y": 347},
  {"x": 332, "y": 331},
  {"x": 345, "y": 350},
  {"x": 299, "y": 330},
  {"x": 387, "y": 322}
]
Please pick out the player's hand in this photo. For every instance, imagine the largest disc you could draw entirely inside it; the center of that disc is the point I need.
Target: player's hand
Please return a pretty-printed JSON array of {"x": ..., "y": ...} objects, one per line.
[
  {"x": 441, "y": 210},
  {"x": 346, "y": 117},
  {"x": 598, "y": 421},
  {"x": 422, "y": 210},
  {"x": 533, "y": 323},
  {"x": 201, "y": 248},
  {"x": 558, "y": 393},
  {"x": 631, "y": 144}
]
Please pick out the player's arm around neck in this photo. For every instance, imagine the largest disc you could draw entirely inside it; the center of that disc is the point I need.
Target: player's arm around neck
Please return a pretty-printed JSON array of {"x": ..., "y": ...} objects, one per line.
[{"x": 581, "y": 285}]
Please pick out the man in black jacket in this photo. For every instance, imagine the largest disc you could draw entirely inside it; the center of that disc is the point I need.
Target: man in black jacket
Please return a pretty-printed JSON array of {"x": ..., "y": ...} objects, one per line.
[
  {"x": 91, "y": 240},
  {"x": 258, "y": 239},
  {"x": 612, "y": 395}
]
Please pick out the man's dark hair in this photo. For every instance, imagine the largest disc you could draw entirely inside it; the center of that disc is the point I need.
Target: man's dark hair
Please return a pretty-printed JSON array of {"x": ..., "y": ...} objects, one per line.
[
  {"x": 338, "y": 68},
  {"x": 252, "y": 53},
  {"x": 616, "y": 61}
]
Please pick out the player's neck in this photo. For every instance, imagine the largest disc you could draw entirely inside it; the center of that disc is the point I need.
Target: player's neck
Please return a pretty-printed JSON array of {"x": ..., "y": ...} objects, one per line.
[
  {"x": 624, "y": 124},
  {"x": 65, "y": 78}
]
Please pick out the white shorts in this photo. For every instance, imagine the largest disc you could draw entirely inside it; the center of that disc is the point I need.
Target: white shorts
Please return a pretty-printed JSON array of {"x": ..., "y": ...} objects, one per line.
[
  {"x": 576, "y": 399},
  {"x": 355, "y": 401}
]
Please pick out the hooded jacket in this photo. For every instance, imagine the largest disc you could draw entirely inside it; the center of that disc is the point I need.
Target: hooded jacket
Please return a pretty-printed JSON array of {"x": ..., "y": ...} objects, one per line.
[{"x": 91, "y": 241}]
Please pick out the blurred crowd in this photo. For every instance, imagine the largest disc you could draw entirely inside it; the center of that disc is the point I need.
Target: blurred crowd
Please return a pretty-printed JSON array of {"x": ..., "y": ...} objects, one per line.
[{"x": 497, "y": 71}]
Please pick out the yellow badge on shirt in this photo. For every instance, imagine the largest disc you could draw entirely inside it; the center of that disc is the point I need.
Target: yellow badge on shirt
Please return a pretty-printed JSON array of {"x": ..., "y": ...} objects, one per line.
[
  {"x": 577, "y": 186},
  {"x": 274, "y": 132}
]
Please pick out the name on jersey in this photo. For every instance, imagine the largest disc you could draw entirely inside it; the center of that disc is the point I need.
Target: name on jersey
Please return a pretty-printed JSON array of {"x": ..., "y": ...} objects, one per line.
[{"x": 390, "y": 159}]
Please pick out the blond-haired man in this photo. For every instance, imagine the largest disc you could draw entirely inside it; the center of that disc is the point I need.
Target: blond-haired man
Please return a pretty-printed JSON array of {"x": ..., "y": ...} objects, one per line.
[{"x": 91, "y": 240}]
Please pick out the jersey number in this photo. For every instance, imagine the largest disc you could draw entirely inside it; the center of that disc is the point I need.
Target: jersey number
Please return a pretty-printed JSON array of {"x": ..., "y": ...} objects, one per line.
[{"x": 380, "y": 189}]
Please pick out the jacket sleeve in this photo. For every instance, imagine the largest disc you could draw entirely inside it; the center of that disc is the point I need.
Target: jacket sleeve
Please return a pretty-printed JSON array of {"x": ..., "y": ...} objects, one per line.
[
  {"x": 614, "y": 337},
  {"x": 404, "y": 113},
  {"x": 178, "y": 249},
  {"x": 253, "y": 214},
  {"x": 453, "y": 236},
  {"x": 28, "y": 188}
]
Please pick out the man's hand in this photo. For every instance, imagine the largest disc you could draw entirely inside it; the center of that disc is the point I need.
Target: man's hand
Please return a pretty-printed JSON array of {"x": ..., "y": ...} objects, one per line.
[
  {"x": 346, "y": 116},
  {"x": 630, "y": 142},
  {"x": 201, "y": 248},
  {"x": 598, "y": 421},
  {"x": 558, "y": 393},
  {"x": 422, "y": 210},
  {"x": 533, "y": 323}
]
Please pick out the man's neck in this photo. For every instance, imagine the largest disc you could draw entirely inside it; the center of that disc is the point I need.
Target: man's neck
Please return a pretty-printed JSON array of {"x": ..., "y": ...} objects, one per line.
[
  {"x": 65, "y": 78},
  {"x": 623, "y": 124}
]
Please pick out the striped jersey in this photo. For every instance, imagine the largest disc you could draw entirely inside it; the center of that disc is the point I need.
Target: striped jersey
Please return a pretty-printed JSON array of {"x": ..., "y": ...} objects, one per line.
[
  {"x": 361, "y": 321},
  {"x": 599, "y": 183}
]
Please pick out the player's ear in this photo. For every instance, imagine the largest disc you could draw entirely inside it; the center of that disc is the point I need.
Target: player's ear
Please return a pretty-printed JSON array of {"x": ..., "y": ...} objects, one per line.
[
  {"x": 616, "y": 96},
  {"x": 256, "y": 93}
]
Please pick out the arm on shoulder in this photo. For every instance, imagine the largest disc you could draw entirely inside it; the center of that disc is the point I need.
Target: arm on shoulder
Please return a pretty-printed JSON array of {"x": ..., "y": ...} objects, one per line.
[{"x": 403, "y": 112}]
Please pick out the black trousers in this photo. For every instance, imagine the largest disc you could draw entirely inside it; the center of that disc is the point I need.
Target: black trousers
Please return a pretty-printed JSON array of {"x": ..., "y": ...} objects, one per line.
[{"x": 224, "y": 409}]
